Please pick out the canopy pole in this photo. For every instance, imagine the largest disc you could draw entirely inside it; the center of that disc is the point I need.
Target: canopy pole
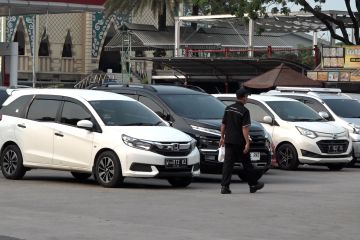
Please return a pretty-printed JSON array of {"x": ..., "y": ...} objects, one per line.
[
  {"x": 177, "y": 37},
  {"x": 33, "y": 52},
  {"x": 251, "y": 38}
]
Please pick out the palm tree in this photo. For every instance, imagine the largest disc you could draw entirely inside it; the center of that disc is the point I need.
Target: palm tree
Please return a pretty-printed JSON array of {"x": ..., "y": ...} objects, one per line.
[{"x": 156, "y": 6}]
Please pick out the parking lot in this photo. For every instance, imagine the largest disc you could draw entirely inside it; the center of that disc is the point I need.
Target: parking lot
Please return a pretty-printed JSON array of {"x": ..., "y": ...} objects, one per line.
[{"x": 311, "y": 203}]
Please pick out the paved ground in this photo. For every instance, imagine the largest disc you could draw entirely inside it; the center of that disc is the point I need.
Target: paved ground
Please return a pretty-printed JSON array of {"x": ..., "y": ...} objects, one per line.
[{"x": 312, "y": 203}]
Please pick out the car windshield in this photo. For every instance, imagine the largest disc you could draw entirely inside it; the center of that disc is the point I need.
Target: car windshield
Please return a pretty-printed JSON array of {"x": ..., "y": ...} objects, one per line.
[
  {"x": 195, "y": 106},
  {"x": 294, "y": 111},
  {"x": 125, "y": 113},
  {"x": 346, "y": 108}
]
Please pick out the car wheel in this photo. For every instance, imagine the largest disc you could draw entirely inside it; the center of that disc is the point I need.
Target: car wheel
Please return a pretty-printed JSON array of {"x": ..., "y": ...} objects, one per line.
[
  {"x": 258, "y": 175},
  {"x": 81, "y": 176},
  {"x": 286, "y": 157},
  {"x": 108, "y": 170},
  {"x": 12, "y": 163},
  {"x": 180, "y": 182},
  {"x": 336, "y": 167}
]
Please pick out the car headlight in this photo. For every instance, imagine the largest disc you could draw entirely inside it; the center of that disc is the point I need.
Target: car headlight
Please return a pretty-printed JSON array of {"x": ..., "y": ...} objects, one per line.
[
  {"x": 306, "y": 132},
  {"x": 355, "y": 128},
  {"x": 136, "y": 143},
  {"x": 206, "y": 130},
  {"x": 193, "y": 144}
]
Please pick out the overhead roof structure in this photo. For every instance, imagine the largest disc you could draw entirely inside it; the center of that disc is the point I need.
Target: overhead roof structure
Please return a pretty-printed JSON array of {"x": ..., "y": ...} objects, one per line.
[
  {"x": 293, "y": 22},
  {"x": 25, "y": 7},
  {"x": 146, "y": 37}
]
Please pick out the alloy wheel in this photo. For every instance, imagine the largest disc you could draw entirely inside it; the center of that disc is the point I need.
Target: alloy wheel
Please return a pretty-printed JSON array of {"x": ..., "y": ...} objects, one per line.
[
  {"x": 106, "y": 169},
  {"x": 11, "y": 162}
]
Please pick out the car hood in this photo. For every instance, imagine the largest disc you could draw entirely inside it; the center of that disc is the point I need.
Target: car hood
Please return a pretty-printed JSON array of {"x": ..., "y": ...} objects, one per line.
[
  {"x": 355, "y": 121},
  {"x": 323, "y": 127},
  {"x": 150, "y": 133},
  {"x": 216, "y": 124}
]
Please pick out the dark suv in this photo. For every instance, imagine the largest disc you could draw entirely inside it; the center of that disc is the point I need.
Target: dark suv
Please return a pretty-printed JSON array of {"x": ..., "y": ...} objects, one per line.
[{"x": 199, "y": 115}]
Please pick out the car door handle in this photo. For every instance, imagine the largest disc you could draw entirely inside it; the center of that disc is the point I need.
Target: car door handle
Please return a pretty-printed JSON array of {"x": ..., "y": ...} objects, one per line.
[
  {"x": 59, "y": 134},
  {"x": 21, "y": 125}
]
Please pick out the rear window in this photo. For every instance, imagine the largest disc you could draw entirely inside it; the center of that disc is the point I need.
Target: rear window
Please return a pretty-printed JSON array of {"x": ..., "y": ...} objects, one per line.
[
  {"x": 3, "y": 96},
  {"x": 17, "y": 107}
]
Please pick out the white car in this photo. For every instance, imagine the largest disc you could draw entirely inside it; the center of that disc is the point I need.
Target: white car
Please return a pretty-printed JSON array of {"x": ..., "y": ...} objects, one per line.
[
  {"x": 339, "y": 108},
  {"x": 92, "y": 132},
  {"x": 300, "y": 135}
]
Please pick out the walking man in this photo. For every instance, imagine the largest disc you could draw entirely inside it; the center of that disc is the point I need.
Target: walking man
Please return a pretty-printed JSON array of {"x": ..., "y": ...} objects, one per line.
[{"x": 235, "y": 136}]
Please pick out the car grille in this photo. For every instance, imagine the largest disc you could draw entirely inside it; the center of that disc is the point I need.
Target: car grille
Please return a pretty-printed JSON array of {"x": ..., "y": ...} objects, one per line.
[
  {"x": 333, "y": 146},
  {"x": 163, "y": 169},
  {"x": 168, "y": 149}
]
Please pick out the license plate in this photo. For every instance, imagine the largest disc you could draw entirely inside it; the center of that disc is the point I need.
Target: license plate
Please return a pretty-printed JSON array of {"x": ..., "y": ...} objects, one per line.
[
  {"x": 335, "y": 148},
  {"x": 175, "y": 162},
  {"x": 254, "y": 156}
]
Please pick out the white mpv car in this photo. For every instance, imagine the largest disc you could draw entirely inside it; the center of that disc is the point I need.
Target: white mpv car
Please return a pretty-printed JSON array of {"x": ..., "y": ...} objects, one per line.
[
  {"x": 92, "y": 132},
  {"x": 300, "y": 135}
]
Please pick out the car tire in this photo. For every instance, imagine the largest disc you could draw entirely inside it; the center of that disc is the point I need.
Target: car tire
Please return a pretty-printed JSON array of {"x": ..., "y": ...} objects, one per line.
[
  {"x": 286, "y": 157},
  {"x": 81, "y": 176},
  {"x": 107, "y": 170},
  {"x": 243, "y": 177},
  {"x": 336, "y": 167},
  {"x": 11, "y": 162},
  {"x": 180, "y": 182}
]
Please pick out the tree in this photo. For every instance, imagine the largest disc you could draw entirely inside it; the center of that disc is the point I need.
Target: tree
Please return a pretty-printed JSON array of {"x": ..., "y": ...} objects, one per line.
[{"x": 255, "y": 8}]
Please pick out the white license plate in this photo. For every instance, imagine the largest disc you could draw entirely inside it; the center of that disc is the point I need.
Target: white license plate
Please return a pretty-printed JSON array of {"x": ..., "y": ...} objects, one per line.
[
  {"x": 175, "y": 163},
  {"x": 254, "y": 156}
]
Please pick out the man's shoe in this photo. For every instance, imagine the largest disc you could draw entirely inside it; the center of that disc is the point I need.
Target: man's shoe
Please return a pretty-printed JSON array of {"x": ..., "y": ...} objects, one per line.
[
  {"x": 256, "y": 187},
  {"x": 225, "y": 190}
]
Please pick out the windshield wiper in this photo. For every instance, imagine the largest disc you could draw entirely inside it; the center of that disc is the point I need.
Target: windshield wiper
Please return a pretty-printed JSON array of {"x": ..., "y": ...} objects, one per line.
[
  {"x": 303, "y": 119},
  {"x": 158, "y": 123},
  {"x": 138, "y": 124}
]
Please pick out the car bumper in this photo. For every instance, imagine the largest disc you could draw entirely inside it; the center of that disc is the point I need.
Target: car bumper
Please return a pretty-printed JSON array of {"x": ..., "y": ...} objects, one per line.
[
  {"x": 210, "y": 164},
  {"x": 356, "y": 149},
  {"x": 146, "y": 164},
  {"x": 309, "y": 152}
]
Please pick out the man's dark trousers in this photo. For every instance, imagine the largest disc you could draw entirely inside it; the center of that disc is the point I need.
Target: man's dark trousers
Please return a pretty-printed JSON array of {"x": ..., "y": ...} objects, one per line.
[{"x": 233, "y": 153}]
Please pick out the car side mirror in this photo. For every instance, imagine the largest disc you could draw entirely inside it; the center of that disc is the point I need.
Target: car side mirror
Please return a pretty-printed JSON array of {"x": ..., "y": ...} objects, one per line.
[
  {"x": 324, "y": 115},
  {"x": 85, "y": 124},
  {"x": 268, "y": 120}
]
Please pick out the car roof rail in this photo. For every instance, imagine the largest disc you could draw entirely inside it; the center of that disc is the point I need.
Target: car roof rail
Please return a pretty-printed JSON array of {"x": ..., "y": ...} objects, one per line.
[
  {"x": 309, "y": 89},
  {"x": 127, "y": 85}
]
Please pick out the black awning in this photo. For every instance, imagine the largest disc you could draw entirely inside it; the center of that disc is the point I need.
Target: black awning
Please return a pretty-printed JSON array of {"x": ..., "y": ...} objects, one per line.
[{"x": 223, "y": 68}]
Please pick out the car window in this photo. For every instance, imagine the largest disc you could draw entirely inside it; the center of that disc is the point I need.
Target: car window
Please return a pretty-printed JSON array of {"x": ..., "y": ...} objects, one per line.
[
  {"x": 257, "y": 113},
  {"x": 72, "y": 113},
  {"x": 44, "y": 110},
  {"x": 294, "y": 111},
  {"x": 153, "y": 106},
  {"x": 16, "y": 107},
  {"x": 345, "y": 108},
  {"x": 318, "y": 107},
  {"x": 3, "y": 96},
  {"x": 125, "y": 113},
  {"x": 195, "y": 106}
]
